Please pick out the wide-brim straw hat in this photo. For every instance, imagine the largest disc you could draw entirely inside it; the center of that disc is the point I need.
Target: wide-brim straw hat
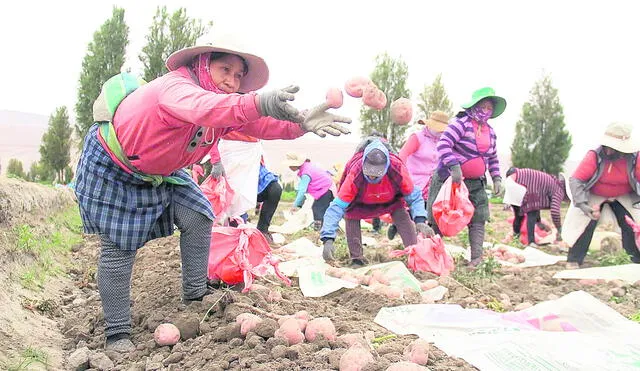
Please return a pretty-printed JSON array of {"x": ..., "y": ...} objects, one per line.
[
  {"x": 437, "y": 121},
  {"x": 618, "y": 136},
  {"x": 257, "y": 75},
  {"x": 294, "y": 159}
]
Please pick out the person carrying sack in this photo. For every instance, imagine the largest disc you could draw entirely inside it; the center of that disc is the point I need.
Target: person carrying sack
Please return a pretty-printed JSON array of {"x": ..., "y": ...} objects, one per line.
[
  {"x": 467, "y": 149},
  {"x": 130, "y": 184}
]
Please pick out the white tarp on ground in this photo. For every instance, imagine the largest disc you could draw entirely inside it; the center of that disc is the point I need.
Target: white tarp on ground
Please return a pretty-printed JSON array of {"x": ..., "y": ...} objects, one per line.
[
  {"x": 629, "y": 273},
  {"x": 310, "y": 268},
  {"x": 533, "y": 257},
  {"x": 575, "y": 332},
  {"x": 295, "y": 222}
]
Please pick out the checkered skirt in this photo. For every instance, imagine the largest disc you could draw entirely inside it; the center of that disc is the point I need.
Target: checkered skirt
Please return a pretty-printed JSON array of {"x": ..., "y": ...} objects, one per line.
[{"x": 126, "y": 209}]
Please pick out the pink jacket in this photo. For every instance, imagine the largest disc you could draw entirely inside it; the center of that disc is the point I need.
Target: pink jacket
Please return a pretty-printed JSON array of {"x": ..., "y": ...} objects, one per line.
[
  {"x": 158, "y": 121},
  {"x": 321, "y": 180},
  {"x": 421, "y": 156}
]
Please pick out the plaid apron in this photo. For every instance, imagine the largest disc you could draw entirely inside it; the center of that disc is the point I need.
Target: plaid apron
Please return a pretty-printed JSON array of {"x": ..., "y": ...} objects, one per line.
[{"x": 129, "y": 210}]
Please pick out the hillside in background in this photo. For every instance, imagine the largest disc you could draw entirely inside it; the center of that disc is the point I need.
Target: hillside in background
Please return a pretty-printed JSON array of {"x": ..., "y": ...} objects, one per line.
[{"x": 21, "y": 134}]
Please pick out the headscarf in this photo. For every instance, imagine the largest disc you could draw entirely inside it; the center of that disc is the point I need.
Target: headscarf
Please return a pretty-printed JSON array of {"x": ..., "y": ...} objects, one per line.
[
  {"x": 376, "y": 144},
  {"x": 200, "y": 66},
  {"x": 481, "y": 116}
]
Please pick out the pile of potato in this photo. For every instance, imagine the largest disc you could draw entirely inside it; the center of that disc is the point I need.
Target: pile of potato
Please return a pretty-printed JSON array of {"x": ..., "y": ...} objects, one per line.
[
  {"x": 378, "y": 281},
  {"x": 502, "y": 253}
]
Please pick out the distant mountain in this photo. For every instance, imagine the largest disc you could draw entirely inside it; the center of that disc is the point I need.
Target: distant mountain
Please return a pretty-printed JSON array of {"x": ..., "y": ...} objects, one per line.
[{"x": 20, "y": 137}]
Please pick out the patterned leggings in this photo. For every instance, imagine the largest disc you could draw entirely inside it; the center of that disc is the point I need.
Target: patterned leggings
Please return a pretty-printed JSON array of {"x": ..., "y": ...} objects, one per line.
[{"x": 115, "y": 267}]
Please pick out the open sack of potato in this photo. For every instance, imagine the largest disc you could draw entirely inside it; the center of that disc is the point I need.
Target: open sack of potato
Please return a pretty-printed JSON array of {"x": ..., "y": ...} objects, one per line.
[
  {"x": 239, "y": 255},
  {"x": 428, "y": 255}
]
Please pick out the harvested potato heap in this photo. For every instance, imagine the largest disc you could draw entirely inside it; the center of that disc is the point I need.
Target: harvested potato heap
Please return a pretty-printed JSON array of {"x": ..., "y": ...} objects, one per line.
[
  {"x": 502, "y": 253},
  {"x": 378, "y": 281}
]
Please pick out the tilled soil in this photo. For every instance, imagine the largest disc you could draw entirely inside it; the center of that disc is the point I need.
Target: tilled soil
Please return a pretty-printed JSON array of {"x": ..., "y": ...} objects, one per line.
[{"x": 213, "y": 341}]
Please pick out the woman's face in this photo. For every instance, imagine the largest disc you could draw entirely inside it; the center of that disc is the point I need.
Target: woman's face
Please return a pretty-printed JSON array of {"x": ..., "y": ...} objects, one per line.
[
  {"x": 610, "y": 151},
  {"x": 372, "y": 179},
  {"x": 486, "y": 105},
  {"x": 226, "y": 72}
]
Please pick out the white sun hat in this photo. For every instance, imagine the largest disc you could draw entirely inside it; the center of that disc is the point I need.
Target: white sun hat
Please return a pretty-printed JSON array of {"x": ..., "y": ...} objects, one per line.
[
  {"x": 258, "y": 72},
  {"x": 618, "y": 136}
]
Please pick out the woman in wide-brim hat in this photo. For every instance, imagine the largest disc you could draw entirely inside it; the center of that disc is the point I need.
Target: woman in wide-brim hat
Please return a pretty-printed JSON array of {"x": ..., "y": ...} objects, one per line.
[
  {"x": 315, "y": 181},
  {"x": 604, "y": 188},
  {"x": 420, "y": 154},
  {"x": 130, "y": 184},
  {"x": 467, "y": 150}
]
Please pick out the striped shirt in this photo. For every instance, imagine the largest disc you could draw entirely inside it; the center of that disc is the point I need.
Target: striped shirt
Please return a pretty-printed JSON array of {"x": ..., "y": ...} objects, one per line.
[
  {"x": 457, "y": 145},
  {"x": 544, "y": 191}
]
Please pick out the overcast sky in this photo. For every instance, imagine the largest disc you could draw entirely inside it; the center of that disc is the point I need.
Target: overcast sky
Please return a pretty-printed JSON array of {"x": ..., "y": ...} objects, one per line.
[{"x": 590, "y": 48}]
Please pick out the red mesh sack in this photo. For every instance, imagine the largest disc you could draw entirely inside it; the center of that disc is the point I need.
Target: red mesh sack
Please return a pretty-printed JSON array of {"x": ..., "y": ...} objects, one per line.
[
  {"x": 542, "y": 231},
  {"x": 219, "y": 193},
  {"x": 239, "y": 255},
  {"x": 428, "y": 255},
  {"x": 452, "y": 209}
]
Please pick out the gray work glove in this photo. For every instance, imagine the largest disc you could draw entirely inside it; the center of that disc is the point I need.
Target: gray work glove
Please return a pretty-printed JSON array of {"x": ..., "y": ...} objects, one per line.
[
  {"x": 275, "y": 103},
  {"x": 497, "y": 186},
  {"x": 456, "y": 174},
  {"x": 587, "y": 210},
  {"x": 217, "y": 170},
  {"x": 321, "y": 122},
  {"x": 424, "y": 229},
  {"x": 327, "y": 250}
]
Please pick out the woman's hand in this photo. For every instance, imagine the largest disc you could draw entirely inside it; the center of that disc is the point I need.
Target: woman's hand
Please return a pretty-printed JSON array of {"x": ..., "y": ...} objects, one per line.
[
  {"x": 321, "y": 122},
  {"x": 217, "y": 170},
  {"x": 456, "y": 174},
  {"x": 589, "y": 211},
  {"x": 275, "y": 103}
]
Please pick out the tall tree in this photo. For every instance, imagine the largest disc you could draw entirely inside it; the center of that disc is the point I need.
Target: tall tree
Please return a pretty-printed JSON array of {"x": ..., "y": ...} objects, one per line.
[
  {"x": 390, "y": 75},
  {"x": 434, "y": 98},
  {"x": 56, "y": 143},
  {"x": 541, "y": 141},
  {"x": 105, "y": 57},
  {"x": 168, "y": 34},
  {"x": 14, "y": 168},
  {"x": 39, "y": 172}
]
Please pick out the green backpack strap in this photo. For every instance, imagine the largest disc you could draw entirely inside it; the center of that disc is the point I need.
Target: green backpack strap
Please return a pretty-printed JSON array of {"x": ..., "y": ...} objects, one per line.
[{"x": 112, "y": 94}]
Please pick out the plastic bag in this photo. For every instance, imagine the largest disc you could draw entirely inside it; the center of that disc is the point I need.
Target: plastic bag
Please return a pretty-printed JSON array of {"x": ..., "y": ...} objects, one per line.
[
  {"x": 636, "y": 229},
  {"x": 452, "y": 209},
  {"x": 241, "y": 162},
  {"x": 239, "y": 255},
  {"x": 219, "y": 193},
  {"x": 428, "y": 255},
  {"x": 544, "y": 232}
]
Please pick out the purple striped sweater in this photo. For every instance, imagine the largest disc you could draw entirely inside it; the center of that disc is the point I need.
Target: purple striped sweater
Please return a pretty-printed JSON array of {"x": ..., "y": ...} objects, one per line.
[
  {"x": 457, "y": 145},
  {"x": 544, "y": 192}
]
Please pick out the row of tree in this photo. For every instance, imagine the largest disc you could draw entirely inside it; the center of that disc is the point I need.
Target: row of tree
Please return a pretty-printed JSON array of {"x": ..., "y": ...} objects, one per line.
[
  {"x": 541, "y": 141},
  {"x": 105, "y": 58}
]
